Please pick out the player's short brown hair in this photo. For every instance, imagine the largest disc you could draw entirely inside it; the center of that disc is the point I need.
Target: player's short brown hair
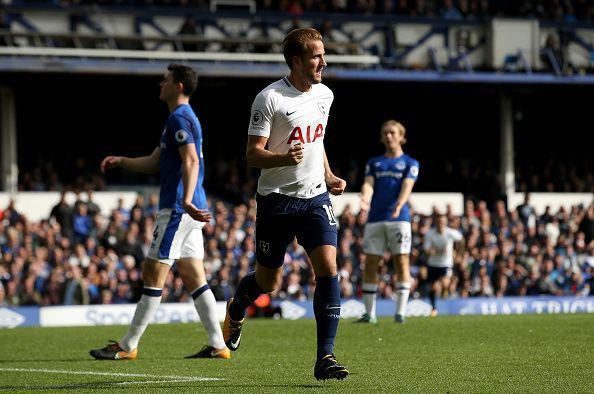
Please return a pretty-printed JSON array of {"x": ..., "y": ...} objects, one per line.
[{"x": 295, "y": 43}]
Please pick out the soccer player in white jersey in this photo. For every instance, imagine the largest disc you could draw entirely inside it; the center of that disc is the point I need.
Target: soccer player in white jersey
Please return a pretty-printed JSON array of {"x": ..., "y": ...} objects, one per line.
[
  {"x": 183, "y": 210},
  {"x": 286, "y": 140},
  {"x": 389, "y": 180},
  {"x": 439, "y": 247}
]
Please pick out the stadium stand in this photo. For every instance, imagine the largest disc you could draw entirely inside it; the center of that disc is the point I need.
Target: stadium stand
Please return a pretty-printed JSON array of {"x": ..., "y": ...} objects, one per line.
[
  {"x": 553, "y": 37},
  {"x": 80, "y": 255},
  {"x": 83, "y": 256}
]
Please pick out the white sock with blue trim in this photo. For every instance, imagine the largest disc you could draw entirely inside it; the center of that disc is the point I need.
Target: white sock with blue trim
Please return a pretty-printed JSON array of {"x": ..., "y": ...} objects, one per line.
[
  {"x": 145, "y": 311},
  {"x": 205, "y": 303}
]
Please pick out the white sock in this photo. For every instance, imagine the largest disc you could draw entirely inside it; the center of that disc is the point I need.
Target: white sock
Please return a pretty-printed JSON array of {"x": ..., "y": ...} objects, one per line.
[
  {"x": 145, "y": 310},
  {"x": 402, "y": 293},
  {"x": 369, "y": 297},
  {"x": 205, "y": 303}
]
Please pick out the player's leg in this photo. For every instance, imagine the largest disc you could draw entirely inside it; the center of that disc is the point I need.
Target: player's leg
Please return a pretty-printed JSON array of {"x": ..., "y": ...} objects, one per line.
[
  {"x": 327, "y": 312},
  {"x": 154, "y": 274},
  {"x": 402, "y": 264},
  {"x": 370, "y": 285},
  {"x": 317, "y": 232},
  {"x": 262, "y": 280},
  {"x": 434, "y": 276},
  {"x": 191, "y": 271},
  {"x": 375, "y": 243},
  {"x": 166, "y": 247},
  {"x": 400, "y": 238},
  {"x": 273, "y": 235},
  {"x": 445, "y": 285}
]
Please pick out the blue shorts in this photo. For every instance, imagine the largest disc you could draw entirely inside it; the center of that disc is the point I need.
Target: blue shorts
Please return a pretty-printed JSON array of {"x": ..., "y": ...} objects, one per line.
[
  {"x": 281, "y": 218},
  {"x": 436, "y": 273}
]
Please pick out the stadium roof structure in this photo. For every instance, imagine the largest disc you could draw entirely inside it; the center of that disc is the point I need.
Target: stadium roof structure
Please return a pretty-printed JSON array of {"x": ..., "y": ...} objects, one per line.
[
  {"x": 134, "y": 62},
  {"x": 247, "y": 44}
]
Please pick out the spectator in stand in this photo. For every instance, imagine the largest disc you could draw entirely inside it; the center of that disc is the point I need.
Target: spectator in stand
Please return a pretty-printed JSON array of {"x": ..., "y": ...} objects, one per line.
[
  {"x": 527, "y": 212},
  {"x": 585, "y": 218},
  {"x": 449, "y": 11},
  {"x": 81, "y": 224},
  {"x": 189, "y": 29},
  {"x": 62, "y": 213},
  {"x": 92, "y": 207}
]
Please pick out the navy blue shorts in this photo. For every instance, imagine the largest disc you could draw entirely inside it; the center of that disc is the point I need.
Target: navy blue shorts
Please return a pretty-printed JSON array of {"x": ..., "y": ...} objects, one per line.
[
  {"x": 436, "y": 273},
  {"x": 281, "y": 218}
]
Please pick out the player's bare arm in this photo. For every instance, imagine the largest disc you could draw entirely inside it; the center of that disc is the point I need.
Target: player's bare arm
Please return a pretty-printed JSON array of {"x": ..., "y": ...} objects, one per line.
[
  {"x": 407, "y": 186},
  {"x": 145, "y": 164},
  {"x": 258, "y": 156},
  {"x": 190, "y": 169},
  {"x": 367, "y": 192}
]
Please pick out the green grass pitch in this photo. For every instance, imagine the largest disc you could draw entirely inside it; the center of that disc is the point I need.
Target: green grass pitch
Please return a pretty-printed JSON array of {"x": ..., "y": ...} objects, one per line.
[{"x": 447, "y": 354}]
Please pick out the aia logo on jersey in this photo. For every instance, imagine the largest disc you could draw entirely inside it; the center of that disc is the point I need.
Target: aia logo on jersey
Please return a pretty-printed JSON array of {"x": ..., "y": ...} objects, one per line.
[{"x": 306, "y": 136}]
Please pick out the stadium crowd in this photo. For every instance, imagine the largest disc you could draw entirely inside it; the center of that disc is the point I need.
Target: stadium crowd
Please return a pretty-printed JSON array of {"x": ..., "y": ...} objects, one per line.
[
  {"x": 567, "y": 10},
  {"x": 80, "y": 255}
]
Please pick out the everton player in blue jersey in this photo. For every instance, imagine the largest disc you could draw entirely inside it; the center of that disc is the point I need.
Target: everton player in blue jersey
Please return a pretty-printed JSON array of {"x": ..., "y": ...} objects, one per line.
[
  {"x": 182, "y": 213},
  {"x": 286, "y": 141},
  {"x": 389, "y": 180}
]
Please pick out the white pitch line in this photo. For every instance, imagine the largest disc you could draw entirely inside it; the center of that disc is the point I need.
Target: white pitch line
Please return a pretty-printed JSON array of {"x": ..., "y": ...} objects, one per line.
[{"x": 170, "y": 379}]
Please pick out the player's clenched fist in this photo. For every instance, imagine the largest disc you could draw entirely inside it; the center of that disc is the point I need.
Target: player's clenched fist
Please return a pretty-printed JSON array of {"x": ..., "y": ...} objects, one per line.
[
  {"x": 110, "y": 162},
  {"x": 295, "y": 154}
]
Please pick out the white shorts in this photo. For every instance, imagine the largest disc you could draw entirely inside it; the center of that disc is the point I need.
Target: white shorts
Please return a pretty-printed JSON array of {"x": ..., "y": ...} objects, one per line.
[
  {"x": 382, "y": 236},
  {"x": 176, "y": 236}
]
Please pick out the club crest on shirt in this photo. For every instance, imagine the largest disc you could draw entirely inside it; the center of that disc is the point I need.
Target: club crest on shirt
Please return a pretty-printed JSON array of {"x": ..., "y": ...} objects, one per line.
[
  {"x": 257, "y": 117},
  {"x": 264, "y": 246},
  {"x": 322, "y": 108},
  {"x": 181, "y": 136},
  {"x": 400, "y": 165}
]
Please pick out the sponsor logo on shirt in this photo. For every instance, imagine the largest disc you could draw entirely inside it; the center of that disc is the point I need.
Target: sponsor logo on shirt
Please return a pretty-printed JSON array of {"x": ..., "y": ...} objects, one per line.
[{"x": 306, "y": 136}]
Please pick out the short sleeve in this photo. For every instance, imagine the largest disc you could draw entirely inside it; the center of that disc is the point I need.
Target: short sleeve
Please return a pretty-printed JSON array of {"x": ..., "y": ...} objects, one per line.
[
  {"x": 369, "y": 169},
  {"x": 261, "y": 115},
  {"x": 413, "y": 170},
  {"x": 181, "y": 131}
]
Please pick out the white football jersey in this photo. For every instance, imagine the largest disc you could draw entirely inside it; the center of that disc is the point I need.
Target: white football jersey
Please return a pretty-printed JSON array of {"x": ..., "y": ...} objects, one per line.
[
  {"x": 288, "y": 116},
  {"x": 444, "y": 246}
]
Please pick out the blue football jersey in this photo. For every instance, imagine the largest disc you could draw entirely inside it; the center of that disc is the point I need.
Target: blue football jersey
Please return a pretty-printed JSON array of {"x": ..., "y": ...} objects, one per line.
[
  {"x": 182, "y": 128},
  {"x": 388, "y": 174}
]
